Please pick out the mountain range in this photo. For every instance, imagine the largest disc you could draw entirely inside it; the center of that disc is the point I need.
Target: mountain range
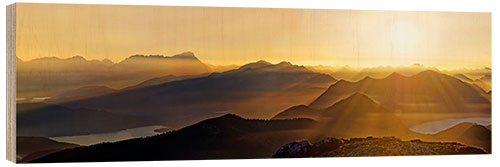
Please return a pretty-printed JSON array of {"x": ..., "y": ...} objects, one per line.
[
  {"x": 431, "y": 94},
  {"x": 255, "y": 90},
  {"x": 45, "y": 77},
  {"x": 301, "y": 102}
]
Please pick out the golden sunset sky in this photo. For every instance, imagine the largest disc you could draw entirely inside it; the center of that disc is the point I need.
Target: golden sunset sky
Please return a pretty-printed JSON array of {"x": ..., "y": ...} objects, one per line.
[{"x": 222, "y": 36}]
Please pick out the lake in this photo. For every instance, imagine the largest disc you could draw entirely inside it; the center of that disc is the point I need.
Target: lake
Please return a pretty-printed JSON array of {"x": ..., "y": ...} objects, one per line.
[{"x": 86, "y": 140}]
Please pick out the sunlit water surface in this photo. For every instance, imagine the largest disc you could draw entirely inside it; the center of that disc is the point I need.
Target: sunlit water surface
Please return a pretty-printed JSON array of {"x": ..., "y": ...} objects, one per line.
[{"x": 91, "y": 139}]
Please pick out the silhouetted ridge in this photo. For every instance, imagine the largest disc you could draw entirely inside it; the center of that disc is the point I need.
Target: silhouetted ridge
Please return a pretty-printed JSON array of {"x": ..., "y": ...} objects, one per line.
[
  {"x": 229, "y": 117},
  {"x": 300, "y": 107},
  {"x": 77, "y": 58},
  {"x": 225, "y": 137},
  {"x": 427, "y": 73},
  {"x": 285, "y": 63},
  {"x": 341, "y": 82},
  {"x": 300, "y": 111},
  {"x": 366, "y": 79},
  {"x": 258, "y": 64}
]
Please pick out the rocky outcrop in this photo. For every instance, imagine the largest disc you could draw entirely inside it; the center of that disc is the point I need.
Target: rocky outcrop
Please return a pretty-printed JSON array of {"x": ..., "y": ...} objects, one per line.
[{"x": 386, "y": 146}]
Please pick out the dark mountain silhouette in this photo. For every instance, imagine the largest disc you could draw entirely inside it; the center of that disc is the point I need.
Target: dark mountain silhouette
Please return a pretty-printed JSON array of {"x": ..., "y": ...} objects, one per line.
[
  {"x": 255, "y": 90},
  {"x": 225, "y": 137},
  {"x": 412, "y": 94},
  {"x": 371, "y": 146},
  {"x": 51, "y": 75},
  {"x": 93, "y": 91},
  {"x": 30, "y": 148},
  {"x": 468, "y": 133},
  {"x": 39, "y": 119}
]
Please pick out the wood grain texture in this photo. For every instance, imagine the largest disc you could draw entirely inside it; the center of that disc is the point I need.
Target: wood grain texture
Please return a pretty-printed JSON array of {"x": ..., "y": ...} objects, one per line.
[{"x": 11, "y": 83}]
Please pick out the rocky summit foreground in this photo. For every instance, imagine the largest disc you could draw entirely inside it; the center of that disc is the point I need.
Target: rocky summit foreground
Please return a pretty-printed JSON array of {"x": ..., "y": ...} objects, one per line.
[{"x": 385, "y": 146}]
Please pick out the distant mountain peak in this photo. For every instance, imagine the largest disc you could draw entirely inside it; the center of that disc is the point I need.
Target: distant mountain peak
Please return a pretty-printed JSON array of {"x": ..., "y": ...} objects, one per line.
[
  {"x": 46, "y": 58},
  {"x": 284, "y": 63},
  {"x": 359, "y": 96},
  {"x": 427, "y": 73},
  {"x": 263, "y": 62},
  {"x": 258, "y": 64},
  {"x": 185, "y": 55},
  {"x": 230, "y": 116},
  {"x": 77, "y": 57},
  {"x": 107, "y": 61}
]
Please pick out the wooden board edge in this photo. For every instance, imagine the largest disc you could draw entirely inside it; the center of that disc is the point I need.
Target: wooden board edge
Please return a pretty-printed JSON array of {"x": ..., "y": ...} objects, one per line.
[{"x": 11, "y": 83}]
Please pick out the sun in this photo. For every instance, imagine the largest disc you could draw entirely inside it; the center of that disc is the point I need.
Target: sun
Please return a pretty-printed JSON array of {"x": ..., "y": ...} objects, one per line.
[{"x": 404, "y": 37}]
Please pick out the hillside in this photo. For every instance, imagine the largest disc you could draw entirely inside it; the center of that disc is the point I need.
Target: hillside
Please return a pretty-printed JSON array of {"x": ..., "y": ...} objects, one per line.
[
  {"x": 219, "y": 138},
  {"x": 30, "y": 148},
  {"x": 81, "y": 93},
  {"x": 356, "y": 147},
  {"x": 468, "y": 133},
  {"x": 360, "y": 116}
]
